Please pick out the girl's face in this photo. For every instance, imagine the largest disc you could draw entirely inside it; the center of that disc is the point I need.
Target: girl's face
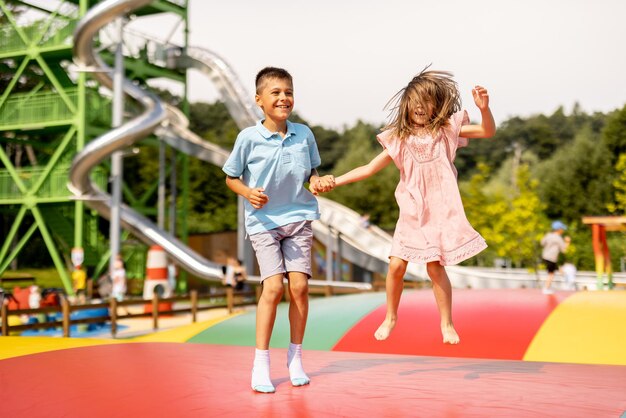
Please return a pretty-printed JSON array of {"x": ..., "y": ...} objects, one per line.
[{"x": 421, "y": 113}]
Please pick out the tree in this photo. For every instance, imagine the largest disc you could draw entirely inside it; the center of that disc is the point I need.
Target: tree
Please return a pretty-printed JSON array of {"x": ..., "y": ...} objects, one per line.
[
  {"x": 481, "y": 208},
  {"x": 614, "y": 134},
  {"x": 619, "y": 204},
  {"x": 523, "y": 222},
  {"x": 577, "y": 180},
  {"x": 509, "y": 216}
]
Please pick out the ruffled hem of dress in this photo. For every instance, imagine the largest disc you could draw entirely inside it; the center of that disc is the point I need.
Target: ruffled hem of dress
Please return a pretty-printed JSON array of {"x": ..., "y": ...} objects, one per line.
[{"x": 446, "y": 258}]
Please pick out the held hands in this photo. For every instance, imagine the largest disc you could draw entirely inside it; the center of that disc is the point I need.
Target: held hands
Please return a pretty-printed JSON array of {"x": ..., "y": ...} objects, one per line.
[
  {"x": 481, "y": 97},
  {"x": 257, "y": 198},
  {"x": 323, "y": 184}
]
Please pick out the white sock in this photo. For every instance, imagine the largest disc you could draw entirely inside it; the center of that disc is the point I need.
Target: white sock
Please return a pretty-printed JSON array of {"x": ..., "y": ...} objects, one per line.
[
  {"x": 294, "y": 362},
  {"x": 261, "y": 381}
]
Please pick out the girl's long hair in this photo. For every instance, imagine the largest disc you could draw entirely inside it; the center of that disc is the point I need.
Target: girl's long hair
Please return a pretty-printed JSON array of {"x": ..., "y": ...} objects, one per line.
[{"x": 428, "y": 87}]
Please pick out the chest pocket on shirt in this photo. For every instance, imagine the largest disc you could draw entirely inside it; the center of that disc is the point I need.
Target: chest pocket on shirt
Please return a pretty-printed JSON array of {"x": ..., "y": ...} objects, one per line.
[{"x": 300, "y": 155}]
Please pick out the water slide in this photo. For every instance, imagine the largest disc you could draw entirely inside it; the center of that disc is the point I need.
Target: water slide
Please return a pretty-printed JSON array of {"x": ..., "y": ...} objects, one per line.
[
  {"x": 339, "y": 226},
  {"x": 154, "y": 116}
]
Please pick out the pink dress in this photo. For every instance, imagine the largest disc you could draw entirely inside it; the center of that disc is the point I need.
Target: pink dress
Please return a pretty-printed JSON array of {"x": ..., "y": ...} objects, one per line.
[{"x": 432, "y": 225}]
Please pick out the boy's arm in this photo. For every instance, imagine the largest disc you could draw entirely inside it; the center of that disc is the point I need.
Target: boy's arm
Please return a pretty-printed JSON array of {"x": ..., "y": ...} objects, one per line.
[
  {"x": 255, "y": 196},
  {"x": 379, "y": 162},
  {"x": 487, "y": 127},
  {"x": 566, "y": 243},
  {"x": 314, "y": 176}
]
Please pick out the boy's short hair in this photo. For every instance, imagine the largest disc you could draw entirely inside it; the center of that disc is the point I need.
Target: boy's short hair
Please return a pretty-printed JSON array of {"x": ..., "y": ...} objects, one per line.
[{"x": 271, "y": 72}]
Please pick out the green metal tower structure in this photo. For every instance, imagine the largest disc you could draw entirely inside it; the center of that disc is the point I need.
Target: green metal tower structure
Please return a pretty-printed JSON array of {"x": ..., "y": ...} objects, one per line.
[{"x": 48, "y": 112}]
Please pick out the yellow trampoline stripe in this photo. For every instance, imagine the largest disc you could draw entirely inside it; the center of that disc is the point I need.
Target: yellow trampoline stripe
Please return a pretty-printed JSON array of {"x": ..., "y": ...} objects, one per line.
[
  {"x": 183, "y": 333},
  {"x": 21, "y": 346},
  {"x": 588, "y": 328}
]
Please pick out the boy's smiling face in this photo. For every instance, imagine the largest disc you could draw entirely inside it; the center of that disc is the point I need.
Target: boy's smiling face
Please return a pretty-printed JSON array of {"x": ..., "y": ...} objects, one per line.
[{"x": 275, "y": 98}]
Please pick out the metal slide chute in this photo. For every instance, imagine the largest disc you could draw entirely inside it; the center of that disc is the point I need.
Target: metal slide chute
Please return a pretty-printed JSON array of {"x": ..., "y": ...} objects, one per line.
[
  {"x": 152, "y": 117},
  {"x": 367, "y": 247},
  {"x": 237, "y": 100}
]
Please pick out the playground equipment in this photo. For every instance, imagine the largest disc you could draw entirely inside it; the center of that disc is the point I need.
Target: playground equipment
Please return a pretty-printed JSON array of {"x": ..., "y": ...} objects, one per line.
[
  {"x": 339, "y": 229},
  {"x": 365, "y": 248},
  {"x": 154, "y": 115},
  {"x": 48, "y": 112}
]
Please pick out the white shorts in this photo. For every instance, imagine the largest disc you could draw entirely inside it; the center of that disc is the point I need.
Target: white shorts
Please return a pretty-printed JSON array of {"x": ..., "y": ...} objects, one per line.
[{"x": 284, "y": 249}]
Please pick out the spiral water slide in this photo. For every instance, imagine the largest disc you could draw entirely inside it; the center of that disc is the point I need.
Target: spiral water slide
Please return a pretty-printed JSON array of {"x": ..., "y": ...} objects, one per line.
[{"x": 154, "y": 116}]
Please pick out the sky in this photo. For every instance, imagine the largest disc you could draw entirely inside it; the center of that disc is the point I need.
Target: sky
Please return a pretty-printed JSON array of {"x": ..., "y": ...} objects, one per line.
[{"x": 349, "y": 57}]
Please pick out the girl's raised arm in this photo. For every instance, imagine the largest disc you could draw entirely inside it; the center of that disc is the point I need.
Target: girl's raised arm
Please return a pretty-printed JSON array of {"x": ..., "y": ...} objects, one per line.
[
  {"x": 487, "y": 127},
  {"x": 379, "y": 162}
]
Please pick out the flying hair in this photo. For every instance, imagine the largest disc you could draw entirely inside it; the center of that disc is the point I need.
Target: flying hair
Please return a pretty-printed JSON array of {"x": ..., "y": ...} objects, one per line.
[{"x": 428, "y": 87}]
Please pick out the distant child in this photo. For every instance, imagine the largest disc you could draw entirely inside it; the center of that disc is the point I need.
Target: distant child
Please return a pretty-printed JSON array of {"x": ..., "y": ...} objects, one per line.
[
  {"x": 568, "y": 269},
  {"x": 426, "y": 129},
  {"x": 553, "y": 244},
  {"x": 79, "y": 282},
  {"x": 118, "y": 277},
  {"x": 234, "y": 273},
  {"x": 269, "y": 165}
]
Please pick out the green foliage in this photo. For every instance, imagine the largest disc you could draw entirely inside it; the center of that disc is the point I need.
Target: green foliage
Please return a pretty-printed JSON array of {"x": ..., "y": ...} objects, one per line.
[
  {"x": 614, "y": 134},
  {"x": 374, "y": 195},
  {"x": 523, "y": 222},
  {"x": 540, "y": 135},
  {"x": 213, "y": 207},
  {"x": 331, "y": 146},
  {"x": 619, "y": 205},
  {"x": 509, "y": 217},
  {"x": 213, "y": 123},
  {"x": 577, "y": 180}
]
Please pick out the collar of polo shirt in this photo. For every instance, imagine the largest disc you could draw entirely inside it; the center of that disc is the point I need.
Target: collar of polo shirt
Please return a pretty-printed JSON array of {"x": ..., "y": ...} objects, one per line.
[{"x": 267, "y": 134}]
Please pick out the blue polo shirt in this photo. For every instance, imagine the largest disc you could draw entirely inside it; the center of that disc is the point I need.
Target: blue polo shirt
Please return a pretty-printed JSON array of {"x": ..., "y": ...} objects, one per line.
[{"x": 281, "y": 166}]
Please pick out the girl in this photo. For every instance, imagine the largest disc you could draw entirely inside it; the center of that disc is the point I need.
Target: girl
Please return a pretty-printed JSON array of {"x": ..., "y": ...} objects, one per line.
[{"x": 427, "y": 126}]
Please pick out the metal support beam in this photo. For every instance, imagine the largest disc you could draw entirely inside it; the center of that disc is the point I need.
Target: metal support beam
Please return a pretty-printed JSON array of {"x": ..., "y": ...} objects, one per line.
[{"x": 117, "y": 158}]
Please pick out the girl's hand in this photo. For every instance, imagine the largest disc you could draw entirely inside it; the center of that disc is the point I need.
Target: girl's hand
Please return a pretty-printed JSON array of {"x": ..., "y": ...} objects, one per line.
[
  {"x": 257, "y": 198},
  {"x": 322, "y": 184},
  {"x": 326, "y": 183},
  {"x": 481, "y": 97}
]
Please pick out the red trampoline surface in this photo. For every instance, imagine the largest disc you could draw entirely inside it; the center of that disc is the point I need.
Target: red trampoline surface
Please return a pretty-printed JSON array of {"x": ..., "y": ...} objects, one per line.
[
  {"x": 492, "y": 324},
  {"x": 199, "y": 380}
]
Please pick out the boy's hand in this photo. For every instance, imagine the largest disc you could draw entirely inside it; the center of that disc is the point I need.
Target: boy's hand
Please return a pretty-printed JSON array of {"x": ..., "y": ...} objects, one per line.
[
  {"x": 257, "y": 198},
  {"x": 481, "y": 97},
  {"x": 319, "y": 185}
]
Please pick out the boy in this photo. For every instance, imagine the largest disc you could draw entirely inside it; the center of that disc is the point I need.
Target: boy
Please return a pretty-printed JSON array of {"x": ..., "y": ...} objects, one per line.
[{"x": 268, "y": 166}]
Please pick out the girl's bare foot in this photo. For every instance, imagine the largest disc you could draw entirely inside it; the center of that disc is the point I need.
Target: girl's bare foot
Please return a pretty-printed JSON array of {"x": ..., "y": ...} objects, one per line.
[
  {"x": 383, "y": 331},
  {"x": 449, "y": 334}
]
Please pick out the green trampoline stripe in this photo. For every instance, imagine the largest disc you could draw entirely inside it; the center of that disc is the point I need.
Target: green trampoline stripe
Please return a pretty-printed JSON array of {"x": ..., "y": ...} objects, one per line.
[{"x": 329, "y": 319}]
